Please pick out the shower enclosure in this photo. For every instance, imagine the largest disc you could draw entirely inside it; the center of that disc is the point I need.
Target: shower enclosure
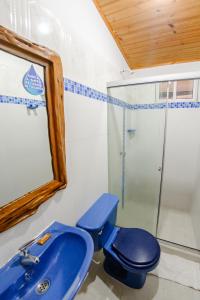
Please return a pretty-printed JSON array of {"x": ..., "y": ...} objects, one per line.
[{"x": 154, "y": 158}]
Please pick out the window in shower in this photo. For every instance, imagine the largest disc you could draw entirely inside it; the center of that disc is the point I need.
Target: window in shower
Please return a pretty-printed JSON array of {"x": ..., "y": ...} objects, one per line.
[
  {"x": 181, "y": 90},
  {"x": 184, "y": 89},
  {"x": 166, "y": 90}
]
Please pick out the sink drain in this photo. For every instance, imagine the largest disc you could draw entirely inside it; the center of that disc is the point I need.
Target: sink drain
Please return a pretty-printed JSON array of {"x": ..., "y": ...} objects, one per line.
[{"x": 43, "y": 287}]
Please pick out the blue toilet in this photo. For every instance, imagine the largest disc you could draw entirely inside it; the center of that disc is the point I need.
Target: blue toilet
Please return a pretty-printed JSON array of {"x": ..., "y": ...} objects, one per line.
[{"x": 130, "y": 253}]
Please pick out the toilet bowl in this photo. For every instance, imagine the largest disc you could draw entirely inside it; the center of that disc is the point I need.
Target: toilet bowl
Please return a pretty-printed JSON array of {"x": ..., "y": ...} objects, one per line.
[{"x": 130, "y": 253}]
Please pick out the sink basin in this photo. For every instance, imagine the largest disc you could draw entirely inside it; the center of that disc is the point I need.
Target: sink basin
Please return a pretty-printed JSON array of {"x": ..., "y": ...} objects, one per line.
[{"x": 64, "y": 262}]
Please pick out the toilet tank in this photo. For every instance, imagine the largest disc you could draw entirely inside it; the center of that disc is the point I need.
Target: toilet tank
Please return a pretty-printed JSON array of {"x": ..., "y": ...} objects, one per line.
[{"x": 100, "y": 219}]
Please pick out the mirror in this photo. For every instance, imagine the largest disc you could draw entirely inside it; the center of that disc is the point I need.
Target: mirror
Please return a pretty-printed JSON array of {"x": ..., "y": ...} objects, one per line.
[
  {"x": 32, "y": 148},
  {"x": 25, "y": 158}
]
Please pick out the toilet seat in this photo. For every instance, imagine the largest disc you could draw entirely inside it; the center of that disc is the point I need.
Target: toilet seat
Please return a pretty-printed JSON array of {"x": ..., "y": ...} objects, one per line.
[{"x": 136, "y": 247}]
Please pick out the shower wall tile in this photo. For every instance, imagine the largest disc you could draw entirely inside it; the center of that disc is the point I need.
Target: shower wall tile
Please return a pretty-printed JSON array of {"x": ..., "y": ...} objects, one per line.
[
  {"x": 85, "y": 119},
  {"x": 182, "y": 154}
]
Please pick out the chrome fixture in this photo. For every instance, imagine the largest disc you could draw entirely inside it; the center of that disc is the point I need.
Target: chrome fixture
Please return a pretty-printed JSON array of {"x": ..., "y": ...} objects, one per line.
[
  {"x": 43, "y": 287},
  {"x": 26, "y": 258}
]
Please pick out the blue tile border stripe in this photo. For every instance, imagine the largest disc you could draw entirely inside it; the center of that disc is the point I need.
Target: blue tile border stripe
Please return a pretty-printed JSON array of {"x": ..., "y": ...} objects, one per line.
[
  {"x": 148, "y": 106},
  {"x": 80, "y": 89},
  {"x": 183, "y": 105},
  {"x": 186, "y": 104},
  {"x": 23, "y": 101},
  {"x": 83, "y": 90}
]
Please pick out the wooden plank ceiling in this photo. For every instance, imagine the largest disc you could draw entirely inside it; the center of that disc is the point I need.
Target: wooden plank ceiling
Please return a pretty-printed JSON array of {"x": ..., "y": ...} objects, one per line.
[{"x": 154, "y": 32}]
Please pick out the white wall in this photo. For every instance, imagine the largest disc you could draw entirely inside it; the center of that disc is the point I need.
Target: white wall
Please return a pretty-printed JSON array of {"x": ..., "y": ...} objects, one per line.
[
  {"x": 143, "y": 93},
  {"x": 180, "y": 201},
  {"x": 195, "y": 207},
  {"x": 76, "y": 31},
  {"x": 182, "y": 154},
  {"x": 166, "y": 70},
  {"x": 161, "y": 73}
]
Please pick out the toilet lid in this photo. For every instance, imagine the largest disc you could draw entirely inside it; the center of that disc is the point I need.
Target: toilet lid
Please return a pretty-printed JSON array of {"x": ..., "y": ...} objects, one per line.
[{"x": 136, "y": 246}]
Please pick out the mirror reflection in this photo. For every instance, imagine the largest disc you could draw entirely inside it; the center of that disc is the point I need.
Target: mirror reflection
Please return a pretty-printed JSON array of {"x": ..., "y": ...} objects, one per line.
[{"x": 25, "y": 156}]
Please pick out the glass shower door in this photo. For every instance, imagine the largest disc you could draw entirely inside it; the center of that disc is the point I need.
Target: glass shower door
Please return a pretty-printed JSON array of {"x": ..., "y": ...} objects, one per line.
[
  {"x": 135, "y": 143},
  {"x": 115, "y": 150},
  {"x": 143, "y": 165},
  {"x": 154, "y": 159}
]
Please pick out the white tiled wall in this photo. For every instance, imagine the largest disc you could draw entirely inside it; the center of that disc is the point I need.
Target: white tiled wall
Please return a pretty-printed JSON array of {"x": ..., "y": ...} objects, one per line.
[
  {"x": 76, "y": 31},
  {"x": 182, "y": 153}
]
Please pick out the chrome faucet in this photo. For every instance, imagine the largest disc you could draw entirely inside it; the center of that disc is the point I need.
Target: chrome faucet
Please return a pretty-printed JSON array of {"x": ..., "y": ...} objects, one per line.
[{"x": 26, "y": 258}]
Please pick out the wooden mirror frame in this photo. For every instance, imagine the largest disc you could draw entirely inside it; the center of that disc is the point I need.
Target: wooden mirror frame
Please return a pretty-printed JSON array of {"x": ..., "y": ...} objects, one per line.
[{"x": 25, "y": 206}]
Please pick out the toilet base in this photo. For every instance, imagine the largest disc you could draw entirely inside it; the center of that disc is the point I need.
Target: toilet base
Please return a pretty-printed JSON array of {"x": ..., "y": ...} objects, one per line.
[{"x": 133, "y": 280}]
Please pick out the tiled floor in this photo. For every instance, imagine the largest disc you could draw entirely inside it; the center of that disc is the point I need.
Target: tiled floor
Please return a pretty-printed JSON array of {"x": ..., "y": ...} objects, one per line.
[
  {"x": 182, "y": 221},
  {"x": 100, "y": 286}
]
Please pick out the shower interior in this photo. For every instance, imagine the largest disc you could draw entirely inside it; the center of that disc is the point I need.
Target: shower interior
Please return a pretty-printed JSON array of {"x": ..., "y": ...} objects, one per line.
[{"x": 154, "y": 158}]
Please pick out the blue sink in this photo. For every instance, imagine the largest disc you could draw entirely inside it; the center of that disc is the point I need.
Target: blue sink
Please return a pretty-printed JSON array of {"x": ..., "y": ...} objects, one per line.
[{"x": 64, "y": 262}]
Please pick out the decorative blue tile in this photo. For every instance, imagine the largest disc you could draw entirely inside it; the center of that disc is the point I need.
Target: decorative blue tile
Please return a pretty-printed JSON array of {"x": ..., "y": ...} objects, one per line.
[
  {"x": 171, "y": 105},
  {"x": 22, "y": 101},
  {"x": 80, "y": 89},
  {"x": 183, "y": 104}
]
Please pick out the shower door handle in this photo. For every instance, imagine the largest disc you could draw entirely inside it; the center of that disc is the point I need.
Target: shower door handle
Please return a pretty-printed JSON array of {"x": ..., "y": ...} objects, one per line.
[
  {"x": 160, "y": 169},
  {"x": 123, "y": 154}
]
